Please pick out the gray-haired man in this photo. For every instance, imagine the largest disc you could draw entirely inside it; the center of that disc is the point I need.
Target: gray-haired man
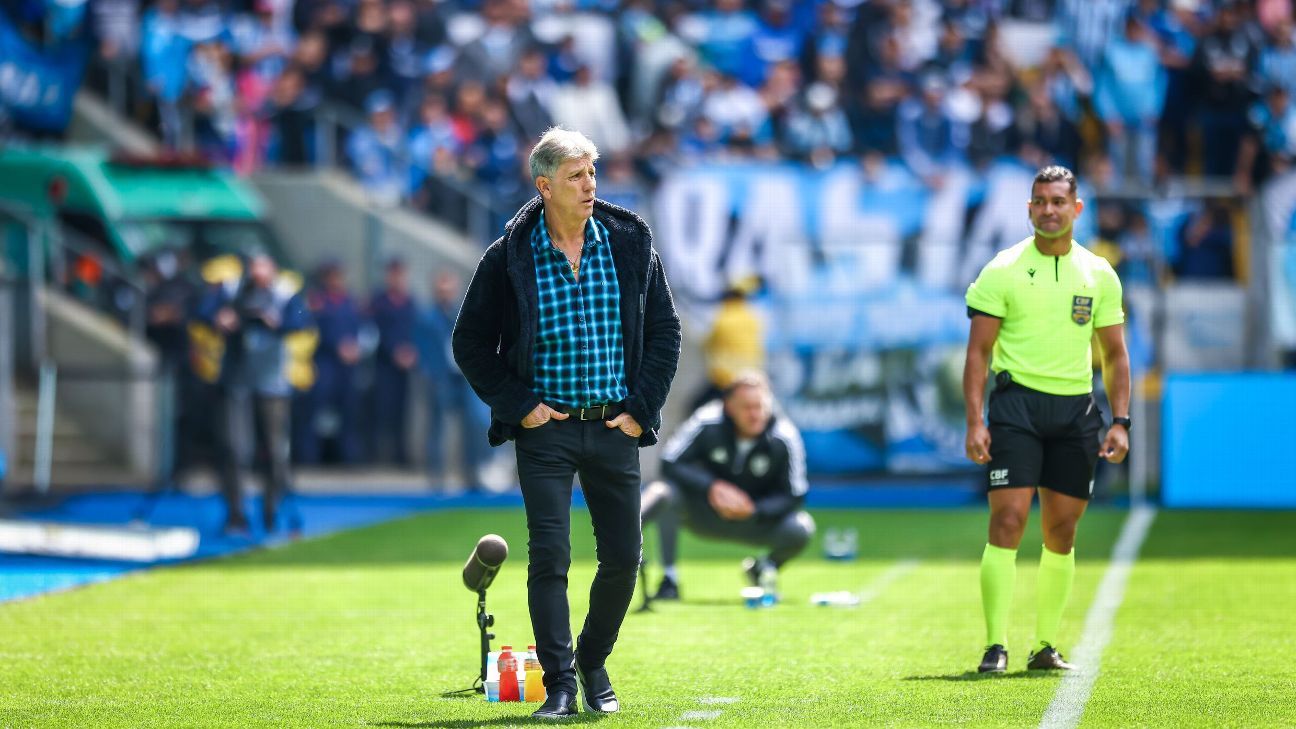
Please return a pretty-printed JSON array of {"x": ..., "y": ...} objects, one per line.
[{"x": 569, "y": 333}]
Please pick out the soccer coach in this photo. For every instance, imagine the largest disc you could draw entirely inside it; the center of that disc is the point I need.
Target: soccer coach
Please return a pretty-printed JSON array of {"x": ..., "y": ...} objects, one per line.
[
  {"x": 569, "y": 333},
  {"x": 1036, "y": 306}
]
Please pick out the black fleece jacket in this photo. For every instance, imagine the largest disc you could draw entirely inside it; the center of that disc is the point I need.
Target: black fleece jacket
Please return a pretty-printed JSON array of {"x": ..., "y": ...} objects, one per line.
[{"x": 494, "y": 336}]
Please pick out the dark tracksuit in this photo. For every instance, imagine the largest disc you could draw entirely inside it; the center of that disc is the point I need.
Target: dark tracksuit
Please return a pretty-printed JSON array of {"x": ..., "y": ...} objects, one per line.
[
  {"x": 494, "y": 345},
  {"x": 773, "y": 474},
  {"x": 253, "y": 368}
]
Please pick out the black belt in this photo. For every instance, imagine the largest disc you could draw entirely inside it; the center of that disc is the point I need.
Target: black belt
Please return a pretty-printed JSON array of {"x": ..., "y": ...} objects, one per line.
[{"x": 593, "y": 412}]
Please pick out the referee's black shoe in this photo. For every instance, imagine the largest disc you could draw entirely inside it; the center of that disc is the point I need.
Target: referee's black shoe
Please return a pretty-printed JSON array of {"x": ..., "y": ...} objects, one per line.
[
  {"x": 995, "y": 660},
  {"x": 1048, "y": 659},
  {"x": 667, "y": 590}
]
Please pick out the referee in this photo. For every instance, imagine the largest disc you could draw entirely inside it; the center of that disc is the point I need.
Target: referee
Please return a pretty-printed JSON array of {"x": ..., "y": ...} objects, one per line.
[{"x": 1036, "y": 307}]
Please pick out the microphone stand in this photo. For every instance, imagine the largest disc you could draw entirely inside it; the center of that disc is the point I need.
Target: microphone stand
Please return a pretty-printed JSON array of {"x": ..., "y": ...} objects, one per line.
[
  {"x": 484, "y": 622},
  {"x": 646, "y": 607}
]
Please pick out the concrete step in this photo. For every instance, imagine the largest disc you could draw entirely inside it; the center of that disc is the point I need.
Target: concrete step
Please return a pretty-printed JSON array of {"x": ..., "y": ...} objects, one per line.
[
  {"x": 64, "y": 450},
  {"x": 71, "y": 478},
  {"x": 63, "y": 427}
]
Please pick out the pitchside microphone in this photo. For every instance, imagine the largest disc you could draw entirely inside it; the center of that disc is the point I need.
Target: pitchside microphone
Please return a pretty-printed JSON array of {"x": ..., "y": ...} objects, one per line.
[{"x": 484, "y": 563}]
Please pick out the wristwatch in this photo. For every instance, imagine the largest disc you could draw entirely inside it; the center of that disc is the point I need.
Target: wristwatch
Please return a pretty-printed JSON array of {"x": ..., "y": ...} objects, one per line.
[{"x": 1122, "y": 421}]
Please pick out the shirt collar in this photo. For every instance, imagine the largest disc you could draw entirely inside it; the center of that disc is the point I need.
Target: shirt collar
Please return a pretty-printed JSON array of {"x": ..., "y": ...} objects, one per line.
[{"x": 594, "y": 232}]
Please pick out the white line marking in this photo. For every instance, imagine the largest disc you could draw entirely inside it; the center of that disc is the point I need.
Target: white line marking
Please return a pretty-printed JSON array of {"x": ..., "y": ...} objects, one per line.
[
  {"x": 703, "y": 715},
  {"x": 1068, "y": 703},
  {"x": 718, "y": 700},
  {"x": 884, "y": 580}
]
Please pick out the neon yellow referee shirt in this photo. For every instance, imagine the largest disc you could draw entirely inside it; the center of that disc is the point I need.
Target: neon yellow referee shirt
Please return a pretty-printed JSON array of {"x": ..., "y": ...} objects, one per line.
[{"x": 1050, "y": 306}]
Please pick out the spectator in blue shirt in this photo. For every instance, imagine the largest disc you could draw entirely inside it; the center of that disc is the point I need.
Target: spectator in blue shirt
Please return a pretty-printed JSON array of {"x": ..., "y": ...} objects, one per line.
[
  {"x": 1129, "y": 93},
  {"x": 777, "y": 38},
  {"x": 724, "y": 36},
  {"x": 331, "y": 409},
  {"x": 1175, "y": 28},
  {"x": 406, "y": 50},
  {"x": 1269, "y": 148},
  {"x": 433, "y": 134},
  {"x": 1206, "y": 245},
  {"x": 377, "y": 150},
  {"x": 818, "y": 130},
  {"x": 1278, "y": 58},
  {"x": 259, "y": 44},
  {"x": 451, "y": 399},
  {"x": 164, "y": 56},
  {"x": 927, "y": 136},
  {"x": 495, "y": 152},
  {"x": 393, "y": 312}
]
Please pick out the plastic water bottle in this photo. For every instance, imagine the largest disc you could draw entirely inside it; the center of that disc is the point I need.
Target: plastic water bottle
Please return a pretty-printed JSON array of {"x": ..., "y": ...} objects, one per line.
[
  {"x": 841, "y": 544},
  {"x": 535, "y": 689},
  {"x": 508, "y": 675},
  {"x": 841, "y": 598}
]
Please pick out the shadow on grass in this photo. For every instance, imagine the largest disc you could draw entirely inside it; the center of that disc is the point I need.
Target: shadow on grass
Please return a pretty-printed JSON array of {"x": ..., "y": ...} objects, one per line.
[
  {"x": 583, "y": 718},
  {"x": 975, "y": 676},
  {"x": 955, "y": 535}
]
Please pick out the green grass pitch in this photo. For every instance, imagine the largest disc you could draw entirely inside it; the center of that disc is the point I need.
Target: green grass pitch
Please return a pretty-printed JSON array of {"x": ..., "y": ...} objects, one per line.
[{"x": 367, "y": 628}]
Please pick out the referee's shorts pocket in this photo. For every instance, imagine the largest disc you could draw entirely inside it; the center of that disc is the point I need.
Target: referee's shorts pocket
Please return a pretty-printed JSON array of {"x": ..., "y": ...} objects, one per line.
[{"x": 1005, "y": 408}]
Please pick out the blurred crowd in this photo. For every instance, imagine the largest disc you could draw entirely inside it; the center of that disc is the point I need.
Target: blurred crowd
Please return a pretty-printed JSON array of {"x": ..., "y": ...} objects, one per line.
[
  {"x": 342, "y": 395},
  {"x": 440, "y": 96}
]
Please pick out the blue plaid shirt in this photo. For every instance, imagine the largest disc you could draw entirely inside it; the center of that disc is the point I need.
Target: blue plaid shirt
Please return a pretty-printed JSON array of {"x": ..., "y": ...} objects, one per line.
[{"x": 579, "y": 360}]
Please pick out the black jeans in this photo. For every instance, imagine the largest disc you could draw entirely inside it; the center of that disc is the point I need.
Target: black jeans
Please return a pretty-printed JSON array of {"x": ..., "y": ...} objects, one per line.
[{"x": 607, "y": 462}]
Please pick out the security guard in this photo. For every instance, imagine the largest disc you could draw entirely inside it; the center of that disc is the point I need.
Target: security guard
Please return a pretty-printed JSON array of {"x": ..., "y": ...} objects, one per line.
[
  {"x": 333, "y": 406},
  {"x": 394, "y": 313},
  {"x": 1036, "y": 306}
]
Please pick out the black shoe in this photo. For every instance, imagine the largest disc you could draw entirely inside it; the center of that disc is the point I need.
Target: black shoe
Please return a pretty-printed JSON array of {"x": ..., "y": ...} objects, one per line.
[
  {"x": 1048, "y": 659},
  {"x": 995, "y": 660},
  {"x": 596, "y": 691},
  {"x": 559, "y": 705},
  {"x": 236, "y": 529},
  {"x": 667, "y": 590}
]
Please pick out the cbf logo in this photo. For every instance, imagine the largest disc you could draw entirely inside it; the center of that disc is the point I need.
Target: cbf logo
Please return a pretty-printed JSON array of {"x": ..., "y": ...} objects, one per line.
[
  {"x": 1081, "y": 309},
  {"x": 999, "y": 477}
]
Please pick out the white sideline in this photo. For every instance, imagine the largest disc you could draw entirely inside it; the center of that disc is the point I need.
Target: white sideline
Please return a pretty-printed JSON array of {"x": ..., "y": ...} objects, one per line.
[
  {"x": 884, "y": 580},
  {"x": 1068, "y": 703}
]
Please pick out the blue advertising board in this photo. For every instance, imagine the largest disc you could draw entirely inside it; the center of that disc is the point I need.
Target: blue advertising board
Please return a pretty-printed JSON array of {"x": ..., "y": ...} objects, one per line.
[{"x": 1229, "y": 441}]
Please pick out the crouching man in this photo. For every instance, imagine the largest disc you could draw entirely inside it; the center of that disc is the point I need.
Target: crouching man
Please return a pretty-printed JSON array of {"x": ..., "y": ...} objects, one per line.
[{"x": 735, "y": 472}]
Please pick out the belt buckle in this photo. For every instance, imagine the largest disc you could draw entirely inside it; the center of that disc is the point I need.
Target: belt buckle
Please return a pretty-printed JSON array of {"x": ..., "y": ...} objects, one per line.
[{"x": 602, "y": 413}]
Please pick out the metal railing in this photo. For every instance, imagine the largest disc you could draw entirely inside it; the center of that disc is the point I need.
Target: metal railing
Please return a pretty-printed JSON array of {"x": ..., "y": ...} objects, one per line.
[
  {"x": 119, "y": 292},
  {"x": 38, "y": 256},
  {"x": 25, "y": 236}
]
